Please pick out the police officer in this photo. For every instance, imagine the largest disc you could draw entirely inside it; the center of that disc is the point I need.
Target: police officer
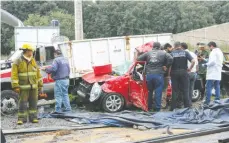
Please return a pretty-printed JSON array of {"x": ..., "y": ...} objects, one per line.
[
  {"x": 157, "y": 61},
  {"x": 60, "y": 71},
  {"x": 179, "y": 75},
  {"x": 26, "y": 81}
]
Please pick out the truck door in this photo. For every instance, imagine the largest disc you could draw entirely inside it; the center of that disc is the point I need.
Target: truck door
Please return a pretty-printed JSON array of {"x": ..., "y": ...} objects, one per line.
[
  {"x": 138, "y": 89},
  {"x": 46, "y": 55}
]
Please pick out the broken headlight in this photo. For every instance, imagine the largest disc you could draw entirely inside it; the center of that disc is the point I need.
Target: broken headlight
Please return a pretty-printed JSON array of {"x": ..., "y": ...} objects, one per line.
[{"x": 95, "y": 92}]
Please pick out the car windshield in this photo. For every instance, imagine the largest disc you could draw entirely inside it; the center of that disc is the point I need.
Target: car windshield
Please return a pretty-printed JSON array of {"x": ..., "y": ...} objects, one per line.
[{"x": 122, "y": 69}]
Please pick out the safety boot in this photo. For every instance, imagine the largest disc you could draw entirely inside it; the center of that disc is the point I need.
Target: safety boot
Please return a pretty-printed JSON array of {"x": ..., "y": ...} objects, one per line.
[
  {"x": 20, "y": 122},
  {"x": 35, "y": 121}
]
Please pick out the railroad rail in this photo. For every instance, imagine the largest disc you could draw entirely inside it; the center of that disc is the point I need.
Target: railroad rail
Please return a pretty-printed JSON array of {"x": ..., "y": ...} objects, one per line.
[{"x": 220, "y": 129}]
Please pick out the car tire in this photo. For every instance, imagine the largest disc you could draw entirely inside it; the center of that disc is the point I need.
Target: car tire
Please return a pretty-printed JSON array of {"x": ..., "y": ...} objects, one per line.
[
  {"x": 113, "y": 102},
  {"x": 9, "y": 102},
  {"x": 196, "y": 95}
]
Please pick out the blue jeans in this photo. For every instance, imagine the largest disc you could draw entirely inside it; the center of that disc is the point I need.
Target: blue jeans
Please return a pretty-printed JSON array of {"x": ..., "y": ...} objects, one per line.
[
  {"x": 209, "y": 86},
  {"x": 155, "y": 81},
  {"x": 61, "y": 95}
]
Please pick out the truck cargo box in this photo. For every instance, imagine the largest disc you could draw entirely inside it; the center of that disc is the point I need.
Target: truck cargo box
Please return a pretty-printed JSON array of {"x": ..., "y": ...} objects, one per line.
[{"x": 85, "y": 54}]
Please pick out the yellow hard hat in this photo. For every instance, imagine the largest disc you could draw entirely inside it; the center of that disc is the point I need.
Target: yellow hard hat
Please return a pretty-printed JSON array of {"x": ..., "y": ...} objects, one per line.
[{"x": 27, "y": 47}]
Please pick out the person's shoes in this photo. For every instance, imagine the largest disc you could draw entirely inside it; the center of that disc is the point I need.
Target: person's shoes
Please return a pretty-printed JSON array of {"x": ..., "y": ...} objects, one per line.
[
  {"x": 55, "y": 112},
  {"x": 20, "y": 122},
  {"x": 67, "y": 111},
  {"x": 35, "y": 121}
]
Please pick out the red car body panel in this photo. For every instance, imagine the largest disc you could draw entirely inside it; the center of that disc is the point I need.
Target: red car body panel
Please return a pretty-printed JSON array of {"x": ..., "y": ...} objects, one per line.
[
  {"x": 92, "y": 78},
  {"x": 145, "y": 48},
  {"x": 118, "y": 85},
  {"x": 134, "y": 92}
]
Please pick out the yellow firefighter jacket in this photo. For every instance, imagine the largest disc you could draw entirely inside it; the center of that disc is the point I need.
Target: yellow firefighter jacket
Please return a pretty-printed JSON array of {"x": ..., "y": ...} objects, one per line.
[{"x": 26, "y": 74}]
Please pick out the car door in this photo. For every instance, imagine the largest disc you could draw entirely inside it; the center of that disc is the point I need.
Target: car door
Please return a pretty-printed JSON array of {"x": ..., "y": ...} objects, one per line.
[{"x": 137, "y": 88}]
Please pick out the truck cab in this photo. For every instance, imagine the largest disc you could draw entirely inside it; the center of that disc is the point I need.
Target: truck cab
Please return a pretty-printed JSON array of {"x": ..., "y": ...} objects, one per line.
[{"x": 44, "y": 56}]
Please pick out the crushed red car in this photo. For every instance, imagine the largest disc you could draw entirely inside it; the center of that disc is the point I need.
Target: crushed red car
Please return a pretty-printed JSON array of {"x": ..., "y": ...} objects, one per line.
[{"x": 125, "y": 86}]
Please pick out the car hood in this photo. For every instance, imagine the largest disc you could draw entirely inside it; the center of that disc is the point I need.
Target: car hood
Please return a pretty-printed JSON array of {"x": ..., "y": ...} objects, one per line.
[{"x": 92, "y": 78}]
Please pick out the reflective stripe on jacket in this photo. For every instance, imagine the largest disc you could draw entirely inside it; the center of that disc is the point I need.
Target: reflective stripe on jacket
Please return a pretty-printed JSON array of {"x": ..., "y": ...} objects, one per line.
[{"x": 26, "y": 75}]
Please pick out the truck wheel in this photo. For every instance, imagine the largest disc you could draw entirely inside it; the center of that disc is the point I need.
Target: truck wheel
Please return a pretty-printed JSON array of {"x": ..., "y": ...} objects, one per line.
[
  {"x": 113, "y": 102},
  {"x": 196, "y": 95},
  {"x": 9, "y": 102}
]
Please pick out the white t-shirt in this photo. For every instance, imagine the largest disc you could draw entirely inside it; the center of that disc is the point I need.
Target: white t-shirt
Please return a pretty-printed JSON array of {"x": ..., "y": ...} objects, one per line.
[
  {"x": 214, "y": 65},
  {"x": 196, "y": 61}
]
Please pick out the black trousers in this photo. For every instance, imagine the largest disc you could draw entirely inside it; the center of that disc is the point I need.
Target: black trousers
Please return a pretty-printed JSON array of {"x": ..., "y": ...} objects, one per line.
[
  {"x": 3, "y": 140},
  {"x": 180, "y": 88},
  {"x": 203, "y": 79}
]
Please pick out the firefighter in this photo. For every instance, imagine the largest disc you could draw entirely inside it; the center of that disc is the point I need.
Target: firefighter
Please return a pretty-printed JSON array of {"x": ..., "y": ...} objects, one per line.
[{"x": 27, "y": 82}]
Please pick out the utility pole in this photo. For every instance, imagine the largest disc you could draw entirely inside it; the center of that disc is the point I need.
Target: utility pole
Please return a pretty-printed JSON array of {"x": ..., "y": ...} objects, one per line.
[{"x": 78, "y": 19}]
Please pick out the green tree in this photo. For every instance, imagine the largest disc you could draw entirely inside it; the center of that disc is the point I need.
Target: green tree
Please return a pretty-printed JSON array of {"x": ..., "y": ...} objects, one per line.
[
  {"x": 6, "y": 39},
  {"x": 193, "y": 16},
  {"x": 21, "y": 9},
  {"x": 66, "y": 22},
  {"x": 222, "y": 14}
]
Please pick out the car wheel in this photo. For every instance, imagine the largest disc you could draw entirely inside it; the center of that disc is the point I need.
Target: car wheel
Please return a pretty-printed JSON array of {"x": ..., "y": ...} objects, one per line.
[
  {"x": 113, "y": 102},
  {"x": 9, "y": 102},
  {"x": 196, "y": 95}
]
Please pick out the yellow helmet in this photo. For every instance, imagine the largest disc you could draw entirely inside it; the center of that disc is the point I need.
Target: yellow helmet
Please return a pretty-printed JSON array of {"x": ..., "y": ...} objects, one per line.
[{"x": 27, "y": 47}]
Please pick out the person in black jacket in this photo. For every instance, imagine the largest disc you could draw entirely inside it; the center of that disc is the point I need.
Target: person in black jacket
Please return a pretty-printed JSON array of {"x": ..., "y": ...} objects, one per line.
[{"x": 157, "y": 61}]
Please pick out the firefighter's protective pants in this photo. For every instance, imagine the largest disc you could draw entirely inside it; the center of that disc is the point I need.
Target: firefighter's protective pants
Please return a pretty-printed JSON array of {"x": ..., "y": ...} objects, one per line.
[{"x": 28, "y": 96}]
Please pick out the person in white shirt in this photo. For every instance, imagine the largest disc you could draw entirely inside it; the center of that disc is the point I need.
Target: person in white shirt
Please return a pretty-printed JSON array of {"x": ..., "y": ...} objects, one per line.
[
  {"x": 192, "y": 73},
  {"x": 214, "y": 68}
]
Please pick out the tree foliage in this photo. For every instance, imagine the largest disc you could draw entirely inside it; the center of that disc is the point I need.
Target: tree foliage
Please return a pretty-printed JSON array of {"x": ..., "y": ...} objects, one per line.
[
  {"x": 118, "y": 18},
  {"x": 66, "y": 22}
]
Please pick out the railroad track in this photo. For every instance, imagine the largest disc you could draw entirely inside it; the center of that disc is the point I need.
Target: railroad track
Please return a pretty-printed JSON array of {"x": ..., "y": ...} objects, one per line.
[{"x": 220, "y": 129}]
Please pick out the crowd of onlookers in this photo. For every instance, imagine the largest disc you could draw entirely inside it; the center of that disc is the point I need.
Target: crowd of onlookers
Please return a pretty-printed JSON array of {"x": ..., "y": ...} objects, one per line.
[{"x": 182, "y": 67}]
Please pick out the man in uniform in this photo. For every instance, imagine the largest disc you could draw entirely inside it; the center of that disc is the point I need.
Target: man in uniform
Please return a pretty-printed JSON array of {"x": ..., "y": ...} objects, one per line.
[
  {"x": 202, "y": 54},
  {"x": 26, "y": 81},
  {"x": 179, "y": 75}
]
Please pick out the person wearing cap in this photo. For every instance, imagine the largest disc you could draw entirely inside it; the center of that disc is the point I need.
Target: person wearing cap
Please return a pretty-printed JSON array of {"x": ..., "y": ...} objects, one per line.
[
  {"x": 157, "y": 61},
  {"x": 193, "y": 73},
  {"x": 202, "y": 54},
  {"x": 27, "y": 82},
  {"x": 179, "y": 75},
  {"x": 214, "y": 68},
  {"x": 60, "y": 71}
]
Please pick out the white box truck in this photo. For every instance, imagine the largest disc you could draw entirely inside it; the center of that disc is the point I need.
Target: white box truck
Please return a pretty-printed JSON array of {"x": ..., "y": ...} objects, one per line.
[{"x": 35, "y": 35}]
